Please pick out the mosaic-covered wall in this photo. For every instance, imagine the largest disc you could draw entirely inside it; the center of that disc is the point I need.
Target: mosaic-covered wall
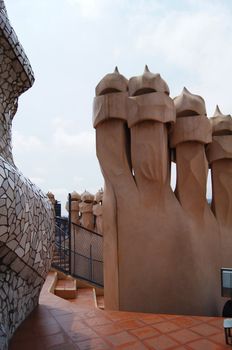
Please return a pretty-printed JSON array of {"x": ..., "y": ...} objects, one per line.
[{"x": 26, "y": 214}]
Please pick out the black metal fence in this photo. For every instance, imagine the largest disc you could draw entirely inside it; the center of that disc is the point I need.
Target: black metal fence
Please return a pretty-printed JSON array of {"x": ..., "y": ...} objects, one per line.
[
  {"x": 87, "y": 254},
  {"x": 78, "y": 251},
  {"x": 61, "y": 256}
]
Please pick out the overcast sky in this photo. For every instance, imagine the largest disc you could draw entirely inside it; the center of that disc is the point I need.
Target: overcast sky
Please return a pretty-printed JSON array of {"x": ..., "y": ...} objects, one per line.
[{"x": 72, "y": 44}]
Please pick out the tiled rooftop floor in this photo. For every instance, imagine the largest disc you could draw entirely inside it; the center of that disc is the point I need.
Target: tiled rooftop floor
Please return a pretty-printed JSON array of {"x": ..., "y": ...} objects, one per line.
[
  {"x": 65, "y": 283},
  {"x": 59, "y": 324}
]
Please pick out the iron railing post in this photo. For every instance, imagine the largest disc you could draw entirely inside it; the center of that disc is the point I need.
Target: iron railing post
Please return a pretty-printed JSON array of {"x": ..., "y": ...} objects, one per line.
[
  {"x": 60, "y": 245},
  {"x": 74, "y": 249},
  {"x": 69, "y": 230},
  {"x": 91, "y": 263}
]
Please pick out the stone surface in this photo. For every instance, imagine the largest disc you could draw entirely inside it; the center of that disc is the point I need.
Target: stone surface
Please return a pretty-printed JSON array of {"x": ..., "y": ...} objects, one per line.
[
  {"x": 52, "y": 198},
  {"x": 75, "y": 208},
  {"x": 86, "y": 210},
  {"x": 26, "y": 214},
  {"x": 16, "y": 77},
  {"x": 160, "y": 246},
  {"x": 219, "y": 154},
  {"x": 98, "y": 212}
]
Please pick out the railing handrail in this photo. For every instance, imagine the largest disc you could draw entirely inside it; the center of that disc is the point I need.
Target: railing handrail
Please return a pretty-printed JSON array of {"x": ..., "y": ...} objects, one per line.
[
  {"x": 87, "y": 229},
  {"x": 56, "y": 226},
  {"x": 58, "y": 218},
  {"x": 80, "y": 226},
  {"x": 58, "y": 245},
  {"x": 87, "y": 257},
  {"x": 75, "y": 251}
]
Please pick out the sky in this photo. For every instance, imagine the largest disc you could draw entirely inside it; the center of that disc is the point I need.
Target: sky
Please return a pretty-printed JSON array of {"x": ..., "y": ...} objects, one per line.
[{"x": 72, "y": 44}]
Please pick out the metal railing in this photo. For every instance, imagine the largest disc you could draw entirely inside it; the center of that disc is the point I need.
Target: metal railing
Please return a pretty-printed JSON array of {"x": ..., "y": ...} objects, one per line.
[
  {"x": 61, "y": 256},
  {"x": 87, "y": 254},
  {"x": 78, "y": 251}
]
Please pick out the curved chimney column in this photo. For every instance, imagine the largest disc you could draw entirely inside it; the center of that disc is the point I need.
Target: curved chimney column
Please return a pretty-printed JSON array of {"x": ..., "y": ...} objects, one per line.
[{"x": 219, "y": 154}]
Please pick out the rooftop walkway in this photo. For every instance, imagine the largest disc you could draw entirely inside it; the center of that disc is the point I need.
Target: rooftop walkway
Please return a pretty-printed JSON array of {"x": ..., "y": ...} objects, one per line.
[{"x": 59, "y": 324}]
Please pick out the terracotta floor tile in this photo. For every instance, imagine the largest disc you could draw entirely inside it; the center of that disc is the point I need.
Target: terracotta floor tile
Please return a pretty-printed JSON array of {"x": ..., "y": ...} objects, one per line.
[
  {"x": 93, "y": 344},
  {"x": 82, "y": 335},
  {"x": 184, "y": 336},
  {"x": 64, "y": 347},
  {"x": 205, "y": 329},
  {"x": 185, "y": 321},
  {"x": 75, "y": 325},
  {"x": 119, "y": 316},
  {"x": 162, "y": 342},
  {"x": 152, "y": 319},
  {"x": 40, "y": 311},
  {"x": 170, "y": 317},
  {"x": 204, "y": 318},
  {"x": 122, "y": 338},
  {"x": 43, "y": 321},
  {"x": 68, "y": 284},
  {"x": 60, "y": 312},
  {"x": 23, "y": 334},
  {"x": 79, "y": 325},
  {"x": 47, "y": 329},
  {"x": 98, "y": 321},
  {"x": 217, "y": 322},
  {"x": 94, "y": 313},
  {"x": 218, "y": 338},
  {"x": 60, "y": 283},
  {"x": 33, "y": 344},
  {"x": 55, "y": 339},
  {"x": 129, "y": 324},
  {"x": 134, "y": 346},
  {"x": 85, "y": 291},
  {"x": 166, "y": 327},
  {"x": 205, "y": 344},
  {"x": 107, "y": 329},
  {"x": 145, "y": 332},
  {"x": 68, "y": 319}
]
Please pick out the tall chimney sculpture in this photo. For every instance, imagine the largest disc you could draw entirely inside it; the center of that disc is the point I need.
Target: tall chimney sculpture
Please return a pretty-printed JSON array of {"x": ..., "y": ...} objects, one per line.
[
  {"x": 161, "y": 249},
  {"x": 219, "y": 154}
]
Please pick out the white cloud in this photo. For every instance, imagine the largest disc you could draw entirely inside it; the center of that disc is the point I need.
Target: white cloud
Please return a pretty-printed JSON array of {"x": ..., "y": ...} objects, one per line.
[
  {"x": 64, "y": 138},
  {"x": 23, "y": 143},
  {"x": 37, "y": 180},
  {"x": 83, "y": 141},
  {"x": 173, "y": 176},
  {"x": 90, "y": 9},
  {"x": 59, "y": 191},
  {"x": 187, "y": 39},
  {"x": 209, "y": 186},
  {"x": 189, "y": 42},
  {"x": 117, "y": 52},
  {"x": 78, "y": 182},
  {"x": 195, "y": 40},
  {"x": 63, "y": 123}
]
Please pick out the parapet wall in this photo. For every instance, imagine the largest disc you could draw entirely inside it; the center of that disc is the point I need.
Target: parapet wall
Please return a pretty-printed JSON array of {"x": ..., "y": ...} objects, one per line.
[{"x": 26, "y": 214}]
